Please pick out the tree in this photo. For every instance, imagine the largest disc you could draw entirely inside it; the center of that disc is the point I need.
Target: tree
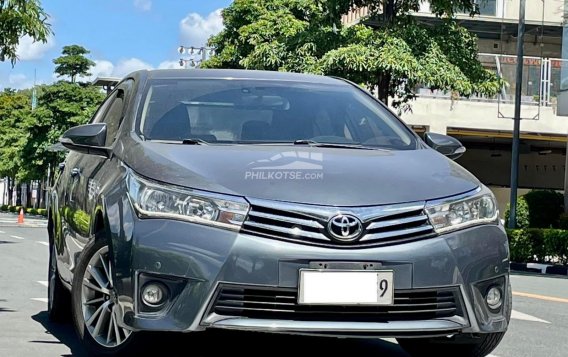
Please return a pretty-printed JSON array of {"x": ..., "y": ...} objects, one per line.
[
  {"x": 392, "y": 57},
  {"x": 19, "y": 18},
  {"x": 73, "y": 62},
  {"x": 14, "y": 108},
  {"x": 60, "y": 106}
]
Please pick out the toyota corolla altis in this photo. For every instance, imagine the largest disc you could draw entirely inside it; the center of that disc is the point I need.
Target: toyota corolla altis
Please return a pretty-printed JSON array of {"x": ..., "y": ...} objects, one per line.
[{"x": 271, "y": 202}]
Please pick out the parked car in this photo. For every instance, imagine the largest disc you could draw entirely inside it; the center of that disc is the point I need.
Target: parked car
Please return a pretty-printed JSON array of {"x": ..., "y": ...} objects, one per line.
[{"x": 273, "y": 202}]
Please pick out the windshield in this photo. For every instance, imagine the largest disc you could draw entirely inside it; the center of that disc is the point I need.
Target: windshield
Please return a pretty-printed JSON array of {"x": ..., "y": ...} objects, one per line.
[{"x": 229, "y": 111}]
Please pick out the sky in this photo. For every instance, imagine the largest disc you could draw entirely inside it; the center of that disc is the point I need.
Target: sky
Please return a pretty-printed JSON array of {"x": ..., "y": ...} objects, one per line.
[{"x": 122, "y": 35}]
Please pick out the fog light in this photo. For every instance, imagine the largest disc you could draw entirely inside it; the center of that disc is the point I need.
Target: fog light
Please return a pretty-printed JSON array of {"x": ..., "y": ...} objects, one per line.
[
  {"x": 494, "y": 298},
  {"x": 154, "y": 294}
]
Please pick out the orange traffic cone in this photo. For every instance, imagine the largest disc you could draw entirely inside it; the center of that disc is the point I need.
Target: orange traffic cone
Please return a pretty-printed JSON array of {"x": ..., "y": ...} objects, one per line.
[{"x": 21, "y": 216}]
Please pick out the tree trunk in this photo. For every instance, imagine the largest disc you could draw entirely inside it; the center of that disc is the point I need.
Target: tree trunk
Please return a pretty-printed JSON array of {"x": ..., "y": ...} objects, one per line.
[
  {"x": 388, "y": 11},
  {"x": 10, "y": 190},
  {"x": 18, "y": 194},
  {"x": 383, "y": 85}
]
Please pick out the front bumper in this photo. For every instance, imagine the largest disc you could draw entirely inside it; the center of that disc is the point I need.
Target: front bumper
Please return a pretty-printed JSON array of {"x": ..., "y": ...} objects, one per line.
[{"x": 202, "y": 259}]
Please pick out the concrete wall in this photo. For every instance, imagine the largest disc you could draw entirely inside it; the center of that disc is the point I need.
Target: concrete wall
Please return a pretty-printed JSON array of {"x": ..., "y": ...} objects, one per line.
[
  {"x": 553, "y": 10},
  {"x": 439, "y": 114},
  {"x": 537, "y": 171},
  {"x": 549, "y": 47}
]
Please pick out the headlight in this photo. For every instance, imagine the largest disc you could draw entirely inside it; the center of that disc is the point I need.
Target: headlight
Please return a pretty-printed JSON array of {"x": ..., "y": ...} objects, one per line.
[
  {"x": 156, "y": 200},
  {"x": 458, "y": 213}
]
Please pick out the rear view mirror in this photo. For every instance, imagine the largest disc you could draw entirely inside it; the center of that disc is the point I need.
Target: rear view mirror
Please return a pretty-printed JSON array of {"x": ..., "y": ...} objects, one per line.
[
  {"x": 446, "y": 145},
  {"x": 87, "y": 139}
]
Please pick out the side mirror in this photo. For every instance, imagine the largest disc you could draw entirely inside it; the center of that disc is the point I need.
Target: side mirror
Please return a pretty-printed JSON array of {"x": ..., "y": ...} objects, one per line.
[
  {"x": 445, "y": 145},
  {"x": 87, "y": 139}
]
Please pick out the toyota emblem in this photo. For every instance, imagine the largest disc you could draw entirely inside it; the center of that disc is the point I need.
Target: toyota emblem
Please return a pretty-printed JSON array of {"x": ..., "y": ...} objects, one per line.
[{"x": 345, "y": 227}]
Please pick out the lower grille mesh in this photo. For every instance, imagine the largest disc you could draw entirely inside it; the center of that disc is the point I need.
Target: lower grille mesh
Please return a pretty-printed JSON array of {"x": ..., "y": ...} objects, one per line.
[{"x": 281, "y": 303}]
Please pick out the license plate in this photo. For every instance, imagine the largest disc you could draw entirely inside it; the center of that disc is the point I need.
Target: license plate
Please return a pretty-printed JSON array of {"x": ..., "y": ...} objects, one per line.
[{"x": 340, "y": 287}]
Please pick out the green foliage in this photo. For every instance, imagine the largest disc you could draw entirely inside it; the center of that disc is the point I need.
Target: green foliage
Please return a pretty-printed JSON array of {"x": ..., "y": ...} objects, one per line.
[
  {"x": 34, "y": 211},
  {"x": 19, "y": 18},
  {"x": 15, "y": 109},
  {"x": 523, "y": 213},
  {"x": 563, "y": 221},
  {"x": 520, "y": 246},
  {"x": 60, "y": 106},
  {"x": 73, "y": 62},
  {"x": 545, "y": 208},
  {"x": 538, "y": 245},
  {"x": 540, "y": 209},
  {"x": 26, "y": 135},
  {"x": 396, "y": 56}
]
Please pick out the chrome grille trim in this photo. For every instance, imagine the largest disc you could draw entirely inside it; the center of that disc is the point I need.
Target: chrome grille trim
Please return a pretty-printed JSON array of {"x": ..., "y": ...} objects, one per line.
[
  {"x": 396, "y": 233},
  {"x": 388, "y": 224},
  {"x": 303, "y": 222},
  {"x": 396, "y": 222},
  {"x": 290, "y": 231}
]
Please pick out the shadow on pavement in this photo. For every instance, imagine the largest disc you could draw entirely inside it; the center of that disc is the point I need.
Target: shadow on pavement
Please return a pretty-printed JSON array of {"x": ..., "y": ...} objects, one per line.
[
  {"x": 64, "y": 333},
  {"x": 3, "y": 309},
  {"x": 218, "y": 343}
]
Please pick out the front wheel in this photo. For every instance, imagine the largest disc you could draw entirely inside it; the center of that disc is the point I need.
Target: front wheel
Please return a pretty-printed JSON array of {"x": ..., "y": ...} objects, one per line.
[
  {"x": 95, "y": 308},
  {"x": 478, "y": 346}
]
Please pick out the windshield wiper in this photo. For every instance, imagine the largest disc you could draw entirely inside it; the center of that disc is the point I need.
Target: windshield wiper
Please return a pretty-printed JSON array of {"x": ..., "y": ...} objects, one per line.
[
  {"x": 331, "y": 145},
  {"x": 193, "y": 141}
]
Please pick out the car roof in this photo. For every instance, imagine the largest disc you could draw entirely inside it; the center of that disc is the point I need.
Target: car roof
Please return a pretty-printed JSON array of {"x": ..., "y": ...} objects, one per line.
[{"x": 240, "y": 74}]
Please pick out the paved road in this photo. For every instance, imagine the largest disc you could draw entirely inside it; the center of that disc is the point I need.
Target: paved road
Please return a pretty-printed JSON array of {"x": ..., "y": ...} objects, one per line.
[{"x": 539, "y": 326}]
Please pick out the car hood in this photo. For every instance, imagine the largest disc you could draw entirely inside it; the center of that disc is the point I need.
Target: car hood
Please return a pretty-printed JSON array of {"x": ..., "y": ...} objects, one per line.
[{"x": 311, "y": 175}]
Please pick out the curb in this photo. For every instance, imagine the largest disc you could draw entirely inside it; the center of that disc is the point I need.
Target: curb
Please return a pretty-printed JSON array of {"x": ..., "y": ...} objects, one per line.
[{"x": 547, "y": 269}]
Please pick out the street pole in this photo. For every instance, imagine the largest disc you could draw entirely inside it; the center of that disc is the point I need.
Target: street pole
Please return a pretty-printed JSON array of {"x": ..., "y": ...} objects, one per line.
[{"x": 517, "y": 118}]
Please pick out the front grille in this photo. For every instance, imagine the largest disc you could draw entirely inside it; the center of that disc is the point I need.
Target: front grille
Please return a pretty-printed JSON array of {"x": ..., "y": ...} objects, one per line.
[
  {"x": 281, "y": 304},
  {"x": 308, "y": 224}
]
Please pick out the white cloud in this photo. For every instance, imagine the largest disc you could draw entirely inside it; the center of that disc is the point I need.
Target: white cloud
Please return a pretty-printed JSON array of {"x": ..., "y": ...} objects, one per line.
[
  {"x": 102, "y": 68},
  {"x": 29, "y": 50},
  {"x": 195, "y": 29},
  {"x": 19, "y": 81},
  {"x": 169, "y": 65},
  {"x": 144, "y": 5},
  {"x": 126, "y": 66}
]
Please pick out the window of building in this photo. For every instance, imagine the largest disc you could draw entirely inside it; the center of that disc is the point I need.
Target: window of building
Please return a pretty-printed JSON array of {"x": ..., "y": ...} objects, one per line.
[{"x": 487, "y": 7}]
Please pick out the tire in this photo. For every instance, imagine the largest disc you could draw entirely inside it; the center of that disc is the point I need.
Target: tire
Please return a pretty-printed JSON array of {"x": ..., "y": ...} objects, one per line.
[
  {"x": 58, "y": 297},
  {"x": 99, "y": 333},
  {"x": 479, "y": 345}
]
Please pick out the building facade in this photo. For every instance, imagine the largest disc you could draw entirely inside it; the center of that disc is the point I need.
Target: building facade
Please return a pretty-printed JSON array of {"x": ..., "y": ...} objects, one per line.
[{"x": 484, "y": 124}]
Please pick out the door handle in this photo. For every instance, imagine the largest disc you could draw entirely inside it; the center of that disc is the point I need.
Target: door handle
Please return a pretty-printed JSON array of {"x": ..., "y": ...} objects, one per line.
[{"x": 75, "y": 172}]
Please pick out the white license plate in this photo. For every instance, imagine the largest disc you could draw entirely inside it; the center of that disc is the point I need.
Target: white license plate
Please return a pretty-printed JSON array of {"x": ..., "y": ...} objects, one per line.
[{"x": 343, "y": 287}]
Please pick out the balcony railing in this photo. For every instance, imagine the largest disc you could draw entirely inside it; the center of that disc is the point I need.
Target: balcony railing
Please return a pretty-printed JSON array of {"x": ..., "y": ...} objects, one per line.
[{"x": 542, "y": 79}]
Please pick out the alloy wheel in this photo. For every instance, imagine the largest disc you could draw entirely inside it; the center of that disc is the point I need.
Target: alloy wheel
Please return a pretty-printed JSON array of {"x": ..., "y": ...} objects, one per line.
[{"x": 99, "y": 302}]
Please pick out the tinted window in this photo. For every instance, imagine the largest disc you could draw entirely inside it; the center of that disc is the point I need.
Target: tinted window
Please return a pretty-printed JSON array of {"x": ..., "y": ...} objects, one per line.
[
  {"x": 115, "y": 113},
  {"x": 256, "y": 111}
]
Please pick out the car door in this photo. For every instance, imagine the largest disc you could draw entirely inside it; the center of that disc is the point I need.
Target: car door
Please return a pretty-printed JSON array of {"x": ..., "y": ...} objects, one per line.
[{"x": 82, "y": 188}]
